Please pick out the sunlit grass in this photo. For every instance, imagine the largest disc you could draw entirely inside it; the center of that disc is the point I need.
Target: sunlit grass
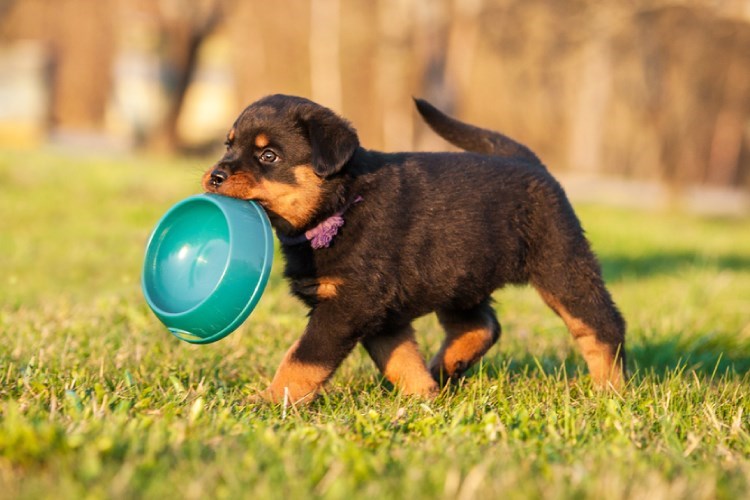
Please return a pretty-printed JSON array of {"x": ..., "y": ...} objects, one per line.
[{"x": 97, "y": 399}]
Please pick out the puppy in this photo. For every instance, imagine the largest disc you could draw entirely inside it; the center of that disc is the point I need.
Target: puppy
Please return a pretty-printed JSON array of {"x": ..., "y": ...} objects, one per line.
[{"x": 374, "y": 240}]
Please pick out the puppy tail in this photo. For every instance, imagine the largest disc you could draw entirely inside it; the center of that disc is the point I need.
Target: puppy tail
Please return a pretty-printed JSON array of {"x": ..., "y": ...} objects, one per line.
[{"x": 471, "y": 138}]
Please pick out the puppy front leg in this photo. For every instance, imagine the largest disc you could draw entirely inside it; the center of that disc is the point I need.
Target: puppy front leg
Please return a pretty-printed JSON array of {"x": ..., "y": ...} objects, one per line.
[
  {"x": 310, "y": 362},
  {"x": 398, "y": 358},
  {"x": 299, "y": 379}
]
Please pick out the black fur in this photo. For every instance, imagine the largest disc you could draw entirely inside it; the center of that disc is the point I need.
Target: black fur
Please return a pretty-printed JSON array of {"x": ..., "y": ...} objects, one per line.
[{"x": 434, "y": 232}]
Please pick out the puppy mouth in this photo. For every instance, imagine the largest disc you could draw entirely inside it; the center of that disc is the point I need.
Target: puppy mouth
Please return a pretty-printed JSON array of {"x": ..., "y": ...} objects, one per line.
[
  {"x": 239, "y": 185},
  {"x": 296, "y": 202}
]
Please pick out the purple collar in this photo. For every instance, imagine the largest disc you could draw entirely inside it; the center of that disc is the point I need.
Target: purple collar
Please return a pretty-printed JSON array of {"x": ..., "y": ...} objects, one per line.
[{"x": 321, "y": 235}]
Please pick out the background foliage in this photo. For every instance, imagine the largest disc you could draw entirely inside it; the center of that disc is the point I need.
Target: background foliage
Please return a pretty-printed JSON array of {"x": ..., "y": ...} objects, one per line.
[{"x": 646, "y": 89}]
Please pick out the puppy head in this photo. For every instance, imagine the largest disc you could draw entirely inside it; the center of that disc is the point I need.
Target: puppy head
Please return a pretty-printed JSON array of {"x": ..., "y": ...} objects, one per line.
[{"x": 284, "y": 153}]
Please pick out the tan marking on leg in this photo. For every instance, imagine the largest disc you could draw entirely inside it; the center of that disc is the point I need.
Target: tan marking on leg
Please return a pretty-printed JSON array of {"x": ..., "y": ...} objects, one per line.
[
  {"x": 328, "y": 287},
  {"x": 322, "y": 288},
  {"x": 299, "y": 381},
  {"x": 464, "y": 345},
  {"x": 261, "y": 141},
  {"x": 604, "y": 366},
  {"x": 398, "y": 358}
]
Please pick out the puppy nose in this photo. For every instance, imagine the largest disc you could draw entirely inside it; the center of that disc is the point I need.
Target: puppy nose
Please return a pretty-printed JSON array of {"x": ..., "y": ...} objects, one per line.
[{"x": 217, "y": 177}]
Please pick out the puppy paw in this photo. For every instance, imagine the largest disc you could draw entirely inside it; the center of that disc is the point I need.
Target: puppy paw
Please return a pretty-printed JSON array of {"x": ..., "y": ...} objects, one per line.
[
  {"x": 259, "y": 398},
  {"x": 426, "y": 388},
  {"x": 274, "y": 395},
  {"x": 443, "y": 374}
]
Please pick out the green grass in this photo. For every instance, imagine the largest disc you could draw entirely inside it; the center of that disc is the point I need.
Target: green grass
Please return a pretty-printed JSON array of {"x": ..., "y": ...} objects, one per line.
[{"x": 98, "y": 400}]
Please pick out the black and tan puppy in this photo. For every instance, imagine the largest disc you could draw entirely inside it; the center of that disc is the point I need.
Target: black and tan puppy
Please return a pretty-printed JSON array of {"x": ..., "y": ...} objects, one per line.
[{"x": 374, "y": 240}]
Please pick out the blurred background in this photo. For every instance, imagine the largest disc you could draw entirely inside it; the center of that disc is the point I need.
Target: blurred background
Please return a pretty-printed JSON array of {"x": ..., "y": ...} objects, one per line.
[{"x": 641, "y": 101}]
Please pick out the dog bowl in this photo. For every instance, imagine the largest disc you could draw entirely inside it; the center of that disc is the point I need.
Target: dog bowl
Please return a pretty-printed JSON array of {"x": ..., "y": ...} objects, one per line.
[{"x": 207, "y": 263}]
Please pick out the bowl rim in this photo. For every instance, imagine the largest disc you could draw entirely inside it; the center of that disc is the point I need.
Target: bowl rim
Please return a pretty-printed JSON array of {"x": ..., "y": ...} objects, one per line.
[
  {"x": 146, "y": 275},
  {"x": 214, "y": 200}
]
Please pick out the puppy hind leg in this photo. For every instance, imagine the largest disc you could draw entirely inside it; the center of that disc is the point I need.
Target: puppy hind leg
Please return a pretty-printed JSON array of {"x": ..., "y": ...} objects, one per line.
[
  {"x": 398, "y": 358},
  {"x": 468, "y": 336},
  {"x": 598, "y": 329}
]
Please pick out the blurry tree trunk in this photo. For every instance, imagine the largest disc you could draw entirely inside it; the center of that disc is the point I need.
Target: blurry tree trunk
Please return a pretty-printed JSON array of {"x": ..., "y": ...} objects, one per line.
[
  {"x": 5, "y": 6},
  {"x": 183, "y": 28},
  {"x": 729, "y": 130},
  {"x": 431, "y": 42},
  {"x": 588, "y": 120},
  {"x": 700, "y": 77},
  {"x": 82, "y": 51},
  {"x": 394, "y": 61},
  {"x": 250, "y": 54},
  {"x": 271, "y": 47},
  {"x": 463, "y": 40},
  {"x": 325, "y": 56},
  {"x": 431, "y": 27},
  {"x": 447, "y": 40}
]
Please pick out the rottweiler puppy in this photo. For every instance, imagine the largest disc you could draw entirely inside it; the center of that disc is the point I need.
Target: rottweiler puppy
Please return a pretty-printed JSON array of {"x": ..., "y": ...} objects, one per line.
[{"x": 374, "y": 240}]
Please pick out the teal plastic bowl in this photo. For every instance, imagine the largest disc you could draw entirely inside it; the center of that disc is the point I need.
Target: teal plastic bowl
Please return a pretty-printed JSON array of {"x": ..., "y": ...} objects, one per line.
[{"x": 207, "y": 263}]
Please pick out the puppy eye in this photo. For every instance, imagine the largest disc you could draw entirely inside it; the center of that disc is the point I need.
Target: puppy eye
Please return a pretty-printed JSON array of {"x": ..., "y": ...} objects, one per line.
[{"x": 268, "y": 156}]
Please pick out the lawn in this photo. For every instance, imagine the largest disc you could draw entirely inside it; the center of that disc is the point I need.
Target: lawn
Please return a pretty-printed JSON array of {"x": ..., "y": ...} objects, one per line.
[{"x": 98, "y": 400}]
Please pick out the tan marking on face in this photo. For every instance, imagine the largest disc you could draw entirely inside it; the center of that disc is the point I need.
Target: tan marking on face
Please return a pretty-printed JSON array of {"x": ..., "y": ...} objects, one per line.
[
  {"x": 231, "y": 134},
  {"x": 398, "y": 358},
  {"x": 261, "y": 141},
  {"x": 300, "y": 382},
  {"x": 296, "y": 203},
  {"x": 241, "y": 185},
  {"x": 604, "y": 366}
]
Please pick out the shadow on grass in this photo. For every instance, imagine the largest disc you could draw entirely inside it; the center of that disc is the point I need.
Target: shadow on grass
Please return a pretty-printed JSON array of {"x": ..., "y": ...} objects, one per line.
[
  {"x": 707, "y": 356},
  {"x": 622, "y": 267}
]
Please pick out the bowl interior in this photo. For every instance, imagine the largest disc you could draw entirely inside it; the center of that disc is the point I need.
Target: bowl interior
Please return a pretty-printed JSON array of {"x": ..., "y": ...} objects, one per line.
[{"x": 188, "y": 256}]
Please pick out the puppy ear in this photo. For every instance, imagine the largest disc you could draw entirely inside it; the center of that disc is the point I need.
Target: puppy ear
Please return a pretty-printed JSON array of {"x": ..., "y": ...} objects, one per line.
[{"x": 332, "y": 139}]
